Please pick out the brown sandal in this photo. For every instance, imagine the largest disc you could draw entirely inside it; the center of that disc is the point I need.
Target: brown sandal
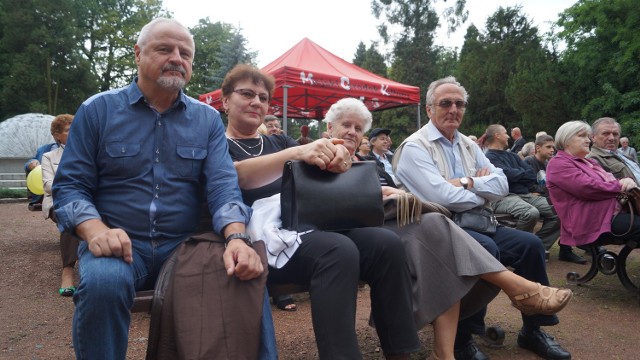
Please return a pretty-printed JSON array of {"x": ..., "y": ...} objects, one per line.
[{"x": 545, "y": 300}]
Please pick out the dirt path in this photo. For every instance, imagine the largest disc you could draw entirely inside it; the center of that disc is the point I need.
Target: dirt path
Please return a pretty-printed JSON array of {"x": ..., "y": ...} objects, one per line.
[{"x": 35, "y": 322}]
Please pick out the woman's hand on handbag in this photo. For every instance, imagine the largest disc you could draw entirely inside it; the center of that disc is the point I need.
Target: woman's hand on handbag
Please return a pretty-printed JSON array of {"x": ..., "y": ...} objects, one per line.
[
  {"x": 319, "y": 153},
  {"x": 327, "y": 154},
  {"x": 342, "y": 160},
  {"x": 627, "y": 184},
  {"x": 389, "y": 192}
]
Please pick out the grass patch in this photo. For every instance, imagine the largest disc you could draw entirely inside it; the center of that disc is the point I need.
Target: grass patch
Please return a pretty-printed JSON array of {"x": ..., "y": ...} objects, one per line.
[{"x": 6, "y": 193}]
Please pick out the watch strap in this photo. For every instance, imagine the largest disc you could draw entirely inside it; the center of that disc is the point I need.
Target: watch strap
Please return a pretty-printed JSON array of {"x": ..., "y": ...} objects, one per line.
[{"x": 242, "y": 236}]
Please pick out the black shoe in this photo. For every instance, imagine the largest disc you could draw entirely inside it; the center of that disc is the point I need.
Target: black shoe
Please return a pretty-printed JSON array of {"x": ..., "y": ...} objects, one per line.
[
  {"x": 543, "y": 344},
  {"x": 570, "y": 256},
  {"x": 470, "y": 352},
  {"x": 35, "y": 207},
  {"x": 588, "y": 249}
]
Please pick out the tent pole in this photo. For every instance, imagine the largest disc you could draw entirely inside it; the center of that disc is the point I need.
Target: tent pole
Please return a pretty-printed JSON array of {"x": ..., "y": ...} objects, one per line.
[
  {"x": 419, "y": 106},
  {"x": 285, "y": 94}
]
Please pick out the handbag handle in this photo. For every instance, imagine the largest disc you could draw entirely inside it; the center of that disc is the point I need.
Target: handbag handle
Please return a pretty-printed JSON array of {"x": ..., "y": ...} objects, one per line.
[{"x": 624, "y": 200}]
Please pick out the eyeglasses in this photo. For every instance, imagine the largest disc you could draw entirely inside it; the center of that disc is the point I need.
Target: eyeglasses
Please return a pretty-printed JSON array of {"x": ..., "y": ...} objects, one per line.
[
  {"x": 273, "y": 126},
  {"x": 445, "y": 104},
  {"x": 250, "y": 95}
]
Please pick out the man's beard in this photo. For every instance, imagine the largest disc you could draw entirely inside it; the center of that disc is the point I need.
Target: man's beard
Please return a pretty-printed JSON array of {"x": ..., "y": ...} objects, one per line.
[{"x": 172, "y": 82}]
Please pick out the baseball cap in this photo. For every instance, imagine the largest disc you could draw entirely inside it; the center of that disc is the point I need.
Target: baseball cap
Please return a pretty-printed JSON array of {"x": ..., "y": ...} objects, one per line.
[{"x": 377, "y": 131}]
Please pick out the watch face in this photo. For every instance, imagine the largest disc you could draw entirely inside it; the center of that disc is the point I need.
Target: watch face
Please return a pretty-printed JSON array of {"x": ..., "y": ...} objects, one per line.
[{"x": 464, "y": 181}]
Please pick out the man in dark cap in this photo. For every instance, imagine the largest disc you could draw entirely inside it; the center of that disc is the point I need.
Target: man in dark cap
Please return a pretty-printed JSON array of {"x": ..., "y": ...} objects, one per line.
[{"x": 380, "y": 144}]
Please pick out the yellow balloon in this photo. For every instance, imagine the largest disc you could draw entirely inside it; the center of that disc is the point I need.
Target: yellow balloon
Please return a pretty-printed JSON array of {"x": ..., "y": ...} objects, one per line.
[{"x": 34, "y": 181}]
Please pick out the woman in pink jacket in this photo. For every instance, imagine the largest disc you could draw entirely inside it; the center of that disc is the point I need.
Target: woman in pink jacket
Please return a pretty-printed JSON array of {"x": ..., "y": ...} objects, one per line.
[{"x": 583, "y": 193}]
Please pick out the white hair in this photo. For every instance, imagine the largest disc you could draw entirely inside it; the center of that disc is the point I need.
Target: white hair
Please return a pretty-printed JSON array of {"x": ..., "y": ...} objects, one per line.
[
  {"x": 569, "y": 130},
  {"x": 349, "y": 106},
  {"x": 430, "y": 97},
  {"x": 143, "y": 37}
]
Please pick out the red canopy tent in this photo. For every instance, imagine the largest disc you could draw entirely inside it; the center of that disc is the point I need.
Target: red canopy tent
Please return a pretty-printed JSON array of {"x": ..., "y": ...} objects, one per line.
[{"x": 309, "y": 79}]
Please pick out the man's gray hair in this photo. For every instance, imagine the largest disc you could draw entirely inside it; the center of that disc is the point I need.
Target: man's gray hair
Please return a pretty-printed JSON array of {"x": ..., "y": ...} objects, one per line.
[
  {"x": 569, "y": 130},
  {"x": 447, "y": 80},
  {"x": 143, "y": 38},
  {"x": 603, "y": 120}
]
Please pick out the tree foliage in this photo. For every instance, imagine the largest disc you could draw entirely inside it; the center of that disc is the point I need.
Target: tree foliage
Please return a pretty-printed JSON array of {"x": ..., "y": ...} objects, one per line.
[
  {"x": 232, "y": 52},
  {"x": 42, "y": 69},
  {"x": 55, "y": 54},
  {"x": 603, "y": 49},
  {"x": 491, "y": 60},
  {"x": 370, "y": 59},
  {"x": 108, "y": 31},
  {"x": 209, "y": 39},
  {"x": 414, "y": 58}
]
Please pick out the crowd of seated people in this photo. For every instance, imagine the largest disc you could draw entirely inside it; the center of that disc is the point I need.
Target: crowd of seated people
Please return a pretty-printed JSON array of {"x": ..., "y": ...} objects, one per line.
[{"x": 427, "y": 272}]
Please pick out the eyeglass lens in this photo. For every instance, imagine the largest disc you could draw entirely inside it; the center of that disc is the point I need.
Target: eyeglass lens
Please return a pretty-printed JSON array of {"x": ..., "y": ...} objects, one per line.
[
  {"x": 250, "y": 95},
  {"x": 460, "y": 104}
]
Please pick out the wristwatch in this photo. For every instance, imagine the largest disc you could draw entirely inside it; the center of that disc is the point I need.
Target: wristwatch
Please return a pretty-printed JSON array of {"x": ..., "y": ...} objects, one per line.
[
  {"x": 242, "y": 236},
  {"x": 465, "y": 182}
]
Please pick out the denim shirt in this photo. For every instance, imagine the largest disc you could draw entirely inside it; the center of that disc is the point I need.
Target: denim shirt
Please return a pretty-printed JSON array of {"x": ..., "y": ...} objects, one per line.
[{"x": 145, "y": 172}]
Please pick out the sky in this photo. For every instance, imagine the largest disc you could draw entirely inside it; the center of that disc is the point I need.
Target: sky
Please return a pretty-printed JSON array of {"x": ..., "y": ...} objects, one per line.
[{"x": 273, "y": 27}]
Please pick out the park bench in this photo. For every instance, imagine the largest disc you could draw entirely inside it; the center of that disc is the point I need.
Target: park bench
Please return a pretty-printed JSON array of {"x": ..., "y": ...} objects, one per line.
[
  {"x": 610, "y": 263},
  {"x": 143, "y": 300}
]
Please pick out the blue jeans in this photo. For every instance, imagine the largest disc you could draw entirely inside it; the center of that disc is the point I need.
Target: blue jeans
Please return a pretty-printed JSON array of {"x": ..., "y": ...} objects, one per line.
[
  {"x": 268, "y": 349},
  {"x": 105, "y": 296}
]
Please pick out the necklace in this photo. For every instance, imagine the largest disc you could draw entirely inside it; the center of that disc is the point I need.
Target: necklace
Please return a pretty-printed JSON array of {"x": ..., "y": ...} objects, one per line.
[{"x": 242, "y": 146}]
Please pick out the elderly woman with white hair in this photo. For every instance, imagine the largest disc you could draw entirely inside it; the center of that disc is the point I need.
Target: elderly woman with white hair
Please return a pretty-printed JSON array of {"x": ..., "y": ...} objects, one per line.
[
  {"x": 446, "y": 263},
  {"x": 584, "y": 194}
]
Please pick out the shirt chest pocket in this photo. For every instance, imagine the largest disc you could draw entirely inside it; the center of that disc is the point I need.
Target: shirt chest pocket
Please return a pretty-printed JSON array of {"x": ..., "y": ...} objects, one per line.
[
  {"x": 190, "y": 160},
  {"x": 123, "y": 159}
]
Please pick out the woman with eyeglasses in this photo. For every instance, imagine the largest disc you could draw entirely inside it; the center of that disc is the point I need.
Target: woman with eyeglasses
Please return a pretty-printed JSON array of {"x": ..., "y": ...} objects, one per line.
[
  {"x": 364, "y": 149},
  {"x": 330, "y": 263}
]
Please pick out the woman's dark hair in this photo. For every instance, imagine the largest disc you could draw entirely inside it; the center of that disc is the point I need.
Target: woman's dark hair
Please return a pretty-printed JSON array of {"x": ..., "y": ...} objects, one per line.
[{"x": 242, "y": 72}]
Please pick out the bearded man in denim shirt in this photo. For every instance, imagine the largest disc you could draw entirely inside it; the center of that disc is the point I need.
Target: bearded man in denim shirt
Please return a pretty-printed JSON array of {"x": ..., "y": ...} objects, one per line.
[{"x": 138, "y": 163}]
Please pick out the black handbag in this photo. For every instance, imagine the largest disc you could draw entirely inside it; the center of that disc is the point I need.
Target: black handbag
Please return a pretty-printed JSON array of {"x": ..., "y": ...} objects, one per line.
[
  {"x": 630, "y": 202},
  {"x": 479, "y": 219},
  {"x": 315, "y": 199}
]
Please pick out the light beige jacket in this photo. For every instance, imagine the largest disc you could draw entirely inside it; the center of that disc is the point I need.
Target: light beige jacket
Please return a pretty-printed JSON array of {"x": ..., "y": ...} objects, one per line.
[{"x": 50, "y": 162}]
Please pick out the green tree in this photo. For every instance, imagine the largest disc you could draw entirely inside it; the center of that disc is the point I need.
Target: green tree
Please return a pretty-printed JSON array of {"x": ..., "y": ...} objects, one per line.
[
  {"x": 209, "y": 38},
  {"x": 538, "y": 91},
  {"x": 109, "y": 30},
  {"x": 232, "y": 52},
  {"x": 488, "y": 61},
  {"x": 42, "y": 69},
  {"x": 414, "y": 58},
  {"x": 370, "y": 59},
  {"x": 360, "y": 55},
  {"x": 603, "y": 48}
]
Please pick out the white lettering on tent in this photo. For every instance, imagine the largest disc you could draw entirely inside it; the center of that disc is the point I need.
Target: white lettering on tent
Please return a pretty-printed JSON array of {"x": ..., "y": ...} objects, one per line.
[
  {"x": 383, "y": 89},
  {"x": 209, "y": 99},
  {"x": 305, "y": 78},
  {"x": 344, "y": 82},
  {"x": 375, "y": 103}
]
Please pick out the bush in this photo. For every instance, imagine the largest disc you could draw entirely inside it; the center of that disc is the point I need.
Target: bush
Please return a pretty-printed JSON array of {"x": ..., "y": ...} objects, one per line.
[{"x": 6, "y": 193}]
